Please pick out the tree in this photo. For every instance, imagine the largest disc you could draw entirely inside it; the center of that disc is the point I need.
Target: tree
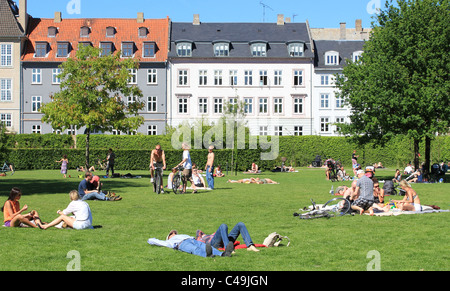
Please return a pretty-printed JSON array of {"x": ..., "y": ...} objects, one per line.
[
  {"x": 401, "y": 84},
  {"x": 92, "y": 94}
]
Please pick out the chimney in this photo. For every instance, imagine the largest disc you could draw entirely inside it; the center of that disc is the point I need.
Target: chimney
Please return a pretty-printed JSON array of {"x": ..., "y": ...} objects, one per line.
[
  {"x": 343, "y": 31},
  {"x": 58, "y": 17},
  {"x": 140, "y": 17},
  {"x": 288, "y": 20},
  {"x": 23, "y": 15},
  {"x": 358, "y": 25},
  {"x": 196, "y": 19},
  {"x": 280, "y": 19}
]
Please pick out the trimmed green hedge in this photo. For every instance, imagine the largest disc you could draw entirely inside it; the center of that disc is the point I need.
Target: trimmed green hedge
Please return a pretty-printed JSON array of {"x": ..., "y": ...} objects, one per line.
[{"x": 34, "y": 151}]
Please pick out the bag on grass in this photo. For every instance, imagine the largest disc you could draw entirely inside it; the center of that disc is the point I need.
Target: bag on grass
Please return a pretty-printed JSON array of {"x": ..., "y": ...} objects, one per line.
[{"x": 274, "y": 239}]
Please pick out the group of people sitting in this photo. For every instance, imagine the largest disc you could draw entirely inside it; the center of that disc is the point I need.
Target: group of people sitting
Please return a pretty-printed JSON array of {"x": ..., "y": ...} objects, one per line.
[{"x": 366, "y": 195}]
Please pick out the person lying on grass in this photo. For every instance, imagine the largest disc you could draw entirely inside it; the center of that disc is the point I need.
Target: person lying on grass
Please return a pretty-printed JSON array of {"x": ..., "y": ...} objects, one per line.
[
  {"x": 253, "y": 181},
  {"x": 12, "y": 213},
  {"x": 81, "y": 210}
]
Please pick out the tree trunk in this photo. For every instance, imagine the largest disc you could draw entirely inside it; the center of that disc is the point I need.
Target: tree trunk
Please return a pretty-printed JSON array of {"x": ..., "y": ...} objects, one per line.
[
  {"x": 416, "y": 154},
  {"x": 88, "y": 136},
  {"x": 427, "y": 156}
]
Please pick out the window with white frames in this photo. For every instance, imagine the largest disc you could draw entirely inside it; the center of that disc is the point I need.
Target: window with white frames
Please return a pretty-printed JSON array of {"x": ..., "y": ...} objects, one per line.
[
  {"x": 36, "y": 103},
  {"x": 184, "y": 49},
  {"x": 36, "y": 76},
  {"x": 298, "y": 130},
  {"x": 263, "y": 105},
  {"x": 339, "y": 120},
  {"x": 36, "y": 128},
  {"x": 324, "y": 100},
  {"x": 324, "y": 124},
  {"x": 248, "y": 105},
  {"x": 331, "y": 58},
  {"x": 182, "y": 77},
  {"x": 152, "y": 105},
  {"x": 133, "y": 76},
  {"x": 218, "y": 105},
  {"x": 183, "y": 105},
  {"x": 152, "y": 130},
  {"x": 218, "y": 77},
  {"x": 298, "y": 77},
  {"x": 248, "y": 78},
  {"x": 221, "y": 49},
  {"x": 202, "y": 77},
  {"x": 296, "y": 49},
  {"x": 278, "y": 130},
  {"x": 72, "y": 130},
  {"x": 6, "y": 55},
  {"x": 233, "y": 78},
  {"x": 6, "y": 119},
  {"x": 356, "y": 56},
  {"x": 263, "y": 130},
  {"x": 232, "y": 104},
  {"x": 203, "y": 105},
  {"x": 277, "y": 77},
  {"x": 298, "y": 105},
  {"x": 324, "y": 80},
  {"x": 259, "y": 49},
  {"x": 131, "y": 99},
  {"x": 152, "y": 77},
  {"x": 5, "y": 90},
  {"x": 55, "y": 78},
  {"x": 263, "y": 81},
  {"x": 278, "y": 105},
  {"x": 339, "y": 102}
]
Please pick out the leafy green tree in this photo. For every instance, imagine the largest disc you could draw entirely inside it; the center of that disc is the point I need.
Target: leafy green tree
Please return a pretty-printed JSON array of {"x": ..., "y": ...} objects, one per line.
[
  {"x": 93, "y": 93},
  {"x": 401, "y": 84}
]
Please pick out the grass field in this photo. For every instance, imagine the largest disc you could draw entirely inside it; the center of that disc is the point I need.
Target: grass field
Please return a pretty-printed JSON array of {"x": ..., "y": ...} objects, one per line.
[{"x": 405, "y": 242}]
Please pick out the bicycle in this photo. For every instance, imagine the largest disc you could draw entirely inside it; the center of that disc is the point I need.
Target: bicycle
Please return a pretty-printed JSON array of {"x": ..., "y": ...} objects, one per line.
[
  {"x": 178, "y": 181},
  {"x": 335, "y": 207},
  {"x": 157, "y": 179}
]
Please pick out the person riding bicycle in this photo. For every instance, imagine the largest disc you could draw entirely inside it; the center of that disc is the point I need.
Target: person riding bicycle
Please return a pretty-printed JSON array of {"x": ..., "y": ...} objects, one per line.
[{"x": 157, "y": 160}]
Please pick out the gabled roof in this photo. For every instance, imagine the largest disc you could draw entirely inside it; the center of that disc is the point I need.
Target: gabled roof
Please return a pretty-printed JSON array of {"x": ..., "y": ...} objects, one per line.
[
  {"x": 346, "y": 48},
  {"x": 9, "y": 27},
  {"x": 126, "y": 30},
  {"x": 240, "y": 36}
]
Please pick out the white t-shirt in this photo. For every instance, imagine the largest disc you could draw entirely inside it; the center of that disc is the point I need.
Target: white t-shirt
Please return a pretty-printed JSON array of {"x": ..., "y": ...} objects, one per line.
[
  {"x": 188, "y": 163},
  {"x": 80, "y": 209}
]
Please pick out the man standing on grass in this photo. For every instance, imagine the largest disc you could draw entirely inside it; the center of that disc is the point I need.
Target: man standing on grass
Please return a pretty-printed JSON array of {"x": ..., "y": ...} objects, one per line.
[
  {"x": 210, "y": 168},
  {"x": 364, "y": 192}
]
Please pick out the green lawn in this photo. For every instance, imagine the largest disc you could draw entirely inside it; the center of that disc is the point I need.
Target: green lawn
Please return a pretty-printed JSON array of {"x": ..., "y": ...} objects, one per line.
[{"x": 405, "y": 242}]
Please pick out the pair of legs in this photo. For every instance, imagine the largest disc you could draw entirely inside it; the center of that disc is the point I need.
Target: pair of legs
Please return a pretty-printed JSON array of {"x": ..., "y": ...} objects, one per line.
[
  {"x": 187, "y": 175},
  {"x": 25, "y": 219},
  {"x": 198, "y": 248},
  {"x": 209, "y": 177},
  {"x": 222, "y": 237},
  {"x": 67, "y": 219}
]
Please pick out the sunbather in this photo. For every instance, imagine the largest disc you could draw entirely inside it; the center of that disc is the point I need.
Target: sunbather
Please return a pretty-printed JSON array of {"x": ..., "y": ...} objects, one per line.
[{"x": 254, "y": 181}]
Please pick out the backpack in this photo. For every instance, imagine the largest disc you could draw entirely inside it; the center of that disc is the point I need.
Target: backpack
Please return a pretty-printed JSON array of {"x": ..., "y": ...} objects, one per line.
[{"x": 274, "y": 239}]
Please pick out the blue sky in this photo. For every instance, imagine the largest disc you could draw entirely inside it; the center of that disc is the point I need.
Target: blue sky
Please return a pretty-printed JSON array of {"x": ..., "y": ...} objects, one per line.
[{"x": 320, "y": 13}]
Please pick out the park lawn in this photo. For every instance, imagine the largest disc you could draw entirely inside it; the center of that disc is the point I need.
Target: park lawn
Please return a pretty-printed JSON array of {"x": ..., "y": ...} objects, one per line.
[{"x": 119, "y": 242}]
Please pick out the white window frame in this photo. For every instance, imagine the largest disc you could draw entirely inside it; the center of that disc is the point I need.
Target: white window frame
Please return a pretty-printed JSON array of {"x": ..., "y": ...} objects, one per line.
[
  {"x": 356, "y": 56},
  {"x": 55, "y": 79},
  {"x": 152, "y": 129},
  {"x": 133, "y": 78},
  {"x": 339, "y": 102},
  {"x": 183, "y": 77},
  {"x": 203, "y": 105},
  {"x": 6, "y": 90},
  {"x": 278, "y": 130},
  {"x": 183, "y": 105},
  {"x": 324, "y": 101},
  {"x": 298, "y": 130},
  {"x": 221, "y": 49},
  {"x": 202, "y": 77},
  {"x": 6, "y": 55},
  {"x": 184, "y": 49},
  {"x": 36, "y": 102},
  {"x": 278, "y": 106},
  {"x": 6, "y": 119},
  {"x": 298, "y": 78},
  {"x": 248, "y": 105},
  {"x": 263, "y": 105},
  {"x": 324, "y": 124},
  {"x": 36, "y": 76},
  {"x": 218, "y": 105},
  {"x": 259, "y": 49},
  {"x": 278, "y": 78},
  {"x": 296, "y": 49},
  {"x": 233, "y": 77},
  {"x": 36, "y": 128},
  {"x": 152, "y": 104},
  {"x": 218, "y": 78},
  {"x": 298, "y": 105},
  {"x": 152, "y": 76},
  {"x": 331, "y": 58},
  {"x": 263, "y": 78},
  {"x": 263, "y": 130},
  {"x": 248, "y": 77}
]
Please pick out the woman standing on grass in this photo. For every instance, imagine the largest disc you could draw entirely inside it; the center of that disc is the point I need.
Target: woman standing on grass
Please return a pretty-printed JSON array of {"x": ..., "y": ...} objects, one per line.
[
  {"x": 12, "y": 213},
  {"x": 81, "y": 210},
  {"x": 64, "y": 161}
]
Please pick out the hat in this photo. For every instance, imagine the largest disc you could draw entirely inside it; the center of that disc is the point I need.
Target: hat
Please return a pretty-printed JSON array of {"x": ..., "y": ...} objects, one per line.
[
  {"x": 173, "y": 231},
  {"x": 211, "y": 147},
  {"x": 359, "y": 172}
]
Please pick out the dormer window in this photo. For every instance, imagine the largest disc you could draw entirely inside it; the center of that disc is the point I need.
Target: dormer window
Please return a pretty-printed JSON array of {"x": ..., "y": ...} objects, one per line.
[
  {"x": 356, "y": 56},
  {"x": 85, "y": 31},
  {"x": 52, "y": 31},
  {"x": 259, "y": 49},
  {"x": 63, "y": 50},
  {"x": 143, "y": 32},
  {"x": 107, "y": 48},
  {"x": 221, "y": 49},
  {"x": 149, "y": 49},
  {"x": 331, "y": 58},
  {"x": 127, "y": 49},
  {"x": 296, "y": 49},
  {"x": 110, "y": 31},
  {"x": 184, "y": 49},
  {"x": 41, "y": 49}
]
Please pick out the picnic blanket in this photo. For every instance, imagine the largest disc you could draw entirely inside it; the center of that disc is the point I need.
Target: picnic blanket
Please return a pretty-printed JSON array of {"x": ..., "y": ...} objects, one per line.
[{"x": 395, "y": 211}]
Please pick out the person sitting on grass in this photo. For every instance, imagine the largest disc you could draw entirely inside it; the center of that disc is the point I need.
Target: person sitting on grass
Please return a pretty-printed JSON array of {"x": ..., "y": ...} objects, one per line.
[
  {"x": 411, "y": 201},
  {"x": 364, "y": 190},
  {"x": 81, "y": 210},
  {"x": 12, "y": 213},
  {"x": 87, "y": 192}
]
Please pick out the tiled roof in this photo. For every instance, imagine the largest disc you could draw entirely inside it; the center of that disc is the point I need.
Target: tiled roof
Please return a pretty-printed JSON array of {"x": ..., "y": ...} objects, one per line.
[
  {"x": 8, "y": 25},
  {"x": 126, "y": 30},
  {"x": 345, "y": 48}
]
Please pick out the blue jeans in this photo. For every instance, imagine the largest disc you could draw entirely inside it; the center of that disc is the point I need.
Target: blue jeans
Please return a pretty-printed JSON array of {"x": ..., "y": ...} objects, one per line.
[
  {"x": 94, "y": 195},
  {"x": 209, "y": 177},
  {"x": 222, "y": 237},
  {"x": 195, "y": 247}
]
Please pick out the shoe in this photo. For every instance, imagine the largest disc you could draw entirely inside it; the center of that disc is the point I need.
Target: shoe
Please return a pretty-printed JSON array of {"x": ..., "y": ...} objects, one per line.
[
  {"x": 115, "y": 198},
  {"x": 208, "y": 250},
  {"x": 228, "y": 250},
  {"x": 151, "y": 180},
  {"x": 162, "y": 191},
  {"x": 252, "y": 248}
]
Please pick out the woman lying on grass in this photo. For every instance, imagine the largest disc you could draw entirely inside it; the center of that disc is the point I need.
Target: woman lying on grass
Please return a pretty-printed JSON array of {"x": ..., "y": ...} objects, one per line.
[
  {"x": 12, "y": 213},
  {"x": 81, "y": 210},
  {"x": 253, "y": 181}
]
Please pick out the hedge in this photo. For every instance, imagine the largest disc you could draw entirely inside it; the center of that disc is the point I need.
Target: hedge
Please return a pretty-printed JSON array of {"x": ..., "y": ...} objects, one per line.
[{"x": 34, "y": 151}]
